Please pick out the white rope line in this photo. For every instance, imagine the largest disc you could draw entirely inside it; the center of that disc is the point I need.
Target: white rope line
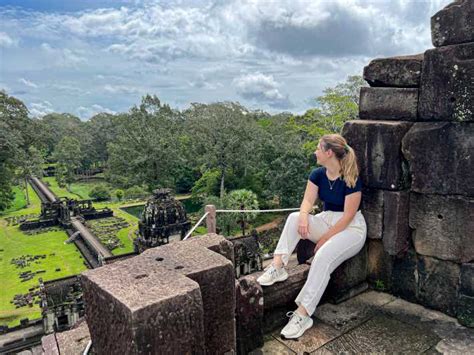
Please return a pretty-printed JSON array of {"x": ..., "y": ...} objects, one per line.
[
  {"x": 256, "y": 211},
  {"x": 196, "y": 225},
  {"x": 249, "y": 211}
]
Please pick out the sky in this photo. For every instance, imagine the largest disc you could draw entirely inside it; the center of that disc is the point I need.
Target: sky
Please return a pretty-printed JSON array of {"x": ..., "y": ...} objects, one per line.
[{"x": 90, "y": 56}]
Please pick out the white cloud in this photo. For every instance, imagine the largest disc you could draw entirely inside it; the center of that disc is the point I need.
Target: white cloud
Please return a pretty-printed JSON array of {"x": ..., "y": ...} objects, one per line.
[
  {"x": 7, "y": 41},
  {"x": 28, "y": 83},
  {"x": 261, "y": 87},
  {"x": 88, "y": 112},
  {"x": 39, "y": 109},
  {"x": 63, "y": 57},
  {"x": 172, "y": 46},
  {"x": 121, "y": 89}
]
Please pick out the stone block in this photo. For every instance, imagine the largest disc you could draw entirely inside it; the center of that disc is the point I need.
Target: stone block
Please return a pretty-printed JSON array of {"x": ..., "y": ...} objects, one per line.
[
  {"x": 49, "y": 345},
  {"x": 447, "y": 85},
  {"x": 465, "y": 310},
  {"x": 467, "y": 279},
  {"x": 441, "y": 157},
  {"x": 379, "y": 265},
  {"x": 402, "y": 71},
  {"x": 249, "y": 314},
  {"x": 347, "y": 276},
  {"x": 215, "y": 242},
  {"x": 353, "y": 312},
  {"x": 443, "y": 226},
  {"x": 381, "y": 334},
  {"x": 216, "y": 278},
  {"x": 378, "y": 148},
  {"x": 284, "y": 293},
  {"x": 315, "y": 337},
  {"x": 372, "y": 209},
  {"x": 438, "y": 283},
  {"x": 74, "y": 341},
  {"x": 388, "y": 104},
  {"x": 454, "y": 24},
  {"x": 404, "y": 276},
  {"x": 136, "y": 306},
  {"x": 396, "y": 232}
]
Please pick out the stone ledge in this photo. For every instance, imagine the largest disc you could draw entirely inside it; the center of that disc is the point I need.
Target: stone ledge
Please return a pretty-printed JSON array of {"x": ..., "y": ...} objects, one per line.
[
  {"x": 397, "y": 104},
  {"x": 401, "y": 71}
]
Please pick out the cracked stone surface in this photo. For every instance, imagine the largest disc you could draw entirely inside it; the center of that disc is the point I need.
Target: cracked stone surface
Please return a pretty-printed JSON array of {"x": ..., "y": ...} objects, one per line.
[{"x": 376, "y": 322}]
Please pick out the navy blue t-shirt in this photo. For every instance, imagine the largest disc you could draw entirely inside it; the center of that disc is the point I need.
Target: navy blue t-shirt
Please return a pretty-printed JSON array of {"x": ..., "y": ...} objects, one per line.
[{"x": 333, "y": 199}]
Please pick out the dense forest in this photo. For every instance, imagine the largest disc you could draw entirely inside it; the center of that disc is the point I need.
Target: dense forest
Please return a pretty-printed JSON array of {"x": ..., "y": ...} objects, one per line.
[{"x": 208, "y": 150}]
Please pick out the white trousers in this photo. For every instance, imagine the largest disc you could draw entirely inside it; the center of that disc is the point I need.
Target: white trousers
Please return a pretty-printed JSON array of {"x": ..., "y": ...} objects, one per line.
[{"x": 336, "y": 250}]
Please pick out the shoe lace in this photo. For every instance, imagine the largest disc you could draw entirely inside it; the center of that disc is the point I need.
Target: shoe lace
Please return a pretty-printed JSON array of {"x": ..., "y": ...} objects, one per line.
[
  {"x": 294, "y": 317},
  {"x": 272, "y": 270}
]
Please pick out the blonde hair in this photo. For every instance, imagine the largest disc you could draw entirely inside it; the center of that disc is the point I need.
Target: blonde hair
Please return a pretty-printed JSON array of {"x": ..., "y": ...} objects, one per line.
[{"x": 345, "y": 154}]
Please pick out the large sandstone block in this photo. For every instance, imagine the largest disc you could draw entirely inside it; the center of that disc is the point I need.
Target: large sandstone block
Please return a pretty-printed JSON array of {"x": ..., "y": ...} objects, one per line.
[
  {"x": 215, "y": 242},
  {"x": 438, "y": 283},
  {"x": 249, "y": 314},
  {"x": 396, "y": 232},
  {"x": 216, "y": 278},
  {"x": 347, "y": 276},
  {"x": 379, "y": 266},
  {"x": 402, "y": 71},
  {"x": 283, "y": 293},
  {"x": 372, "y": 210},
  {"x": 454, "y": 24},
  {"x": 395, "y": 274},
  {"x": 443, "y": 226},
  {"x": 447, "y": 85},
  {"x": 75, "y": 340},
  {"x": 467, "y": 279},
  {"x": 388, "y": 104},
  {"x": 441, "y": 157},
  {"x": 136, "y": 306},
  {"x": 465, "y": 311},
  {"x": 404, "y": 278},
  {"x": 378, "y": 148}
]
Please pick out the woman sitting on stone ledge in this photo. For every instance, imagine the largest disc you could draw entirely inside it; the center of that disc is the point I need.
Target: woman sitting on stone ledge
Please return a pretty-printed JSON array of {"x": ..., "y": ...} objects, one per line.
[{"x": 339, "y": 231}]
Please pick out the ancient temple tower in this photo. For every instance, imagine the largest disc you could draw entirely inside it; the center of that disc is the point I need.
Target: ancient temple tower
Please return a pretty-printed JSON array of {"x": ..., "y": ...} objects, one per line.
[
  {"x": 415, "y": 144},
  {"x": 162, "y": 217}
]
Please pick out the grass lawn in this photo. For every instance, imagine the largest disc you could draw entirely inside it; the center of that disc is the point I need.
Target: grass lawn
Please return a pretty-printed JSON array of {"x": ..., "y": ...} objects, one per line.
[
  {"x": 14, "y": 244},
  {"x": 60, "y": 191},
  {"x": 19, "y": 202},
  {"x": 33, "y": 208}
]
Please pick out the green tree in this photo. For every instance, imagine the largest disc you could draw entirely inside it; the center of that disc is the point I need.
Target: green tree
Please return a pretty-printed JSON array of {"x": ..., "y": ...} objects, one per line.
[
  {"x": 336, "y": 106},
  {"x": 224, "y": 137},
  {"x": 55, "y": 126},
  {"x": 15, "y": 137},
  {"x": 68, "y": 156},
  {"x": 100, "y": 193},
  {"x": 244, "y": 200},
  {"x": 30, "y": 162},
  {"x": 146, "y": 148},
  {"x": 119, "y": 194}
]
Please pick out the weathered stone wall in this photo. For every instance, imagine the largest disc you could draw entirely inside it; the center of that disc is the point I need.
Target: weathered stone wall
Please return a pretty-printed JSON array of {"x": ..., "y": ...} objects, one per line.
[{"x": 415, "y": 144}]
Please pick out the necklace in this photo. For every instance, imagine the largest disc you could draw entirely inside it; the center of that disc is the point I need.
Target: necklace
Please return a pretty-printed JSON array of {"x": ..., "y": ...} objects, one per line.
[{"x": 332, "y": 185}]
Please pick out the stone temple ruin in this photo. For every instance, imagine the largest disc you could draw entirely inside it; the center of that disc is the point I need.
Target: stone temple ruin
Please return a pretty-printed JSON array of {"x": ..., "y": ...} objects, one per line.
[
  {"x": 415, "y": 145},
  {"x": 162, "y": 217}
]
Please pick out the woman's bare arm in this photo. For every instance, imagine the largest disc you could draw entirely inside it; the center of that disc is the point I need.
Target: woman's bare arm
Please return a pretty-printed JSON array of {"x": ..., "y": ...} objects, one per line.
[{"x": 310, "y": 196}]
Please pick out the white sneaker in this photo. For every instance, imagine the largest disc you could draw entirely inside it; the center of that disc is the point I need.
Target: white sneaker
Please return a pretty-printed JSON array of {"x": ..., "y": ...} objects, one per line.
[
  {"x": 296, "y": 326},
  {"x": 272, "y": 275}
]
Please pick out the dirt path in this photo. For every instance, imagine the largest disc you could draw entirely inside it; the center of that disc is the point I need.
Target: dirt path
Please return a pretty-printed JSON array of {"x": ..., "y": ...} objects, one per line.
[{"x": 270, "y": 225}]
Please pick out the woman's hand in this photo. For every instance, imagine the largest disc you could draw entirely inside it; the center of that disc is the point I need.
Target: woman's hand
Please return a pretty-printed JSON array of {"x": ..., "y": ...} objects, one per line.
[
  {"x": 320, "y": 243},
  {"x": 303, "y": 224}
]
